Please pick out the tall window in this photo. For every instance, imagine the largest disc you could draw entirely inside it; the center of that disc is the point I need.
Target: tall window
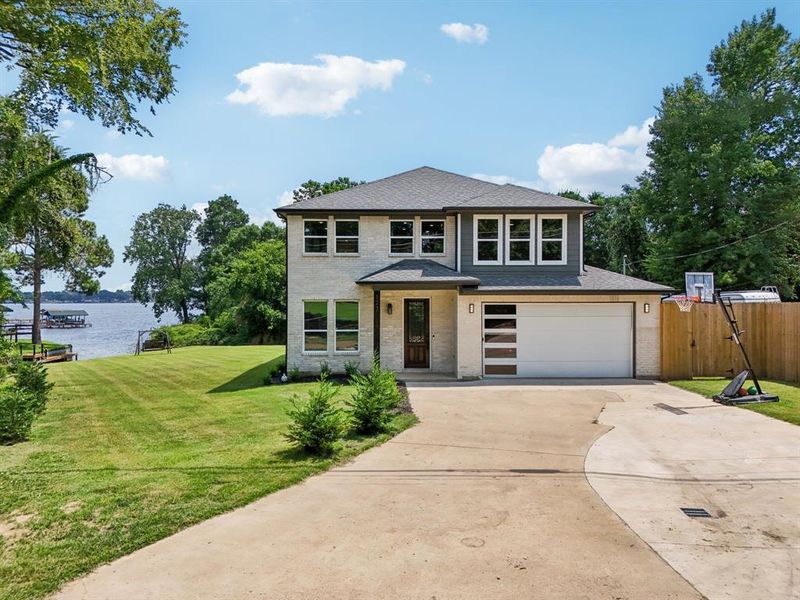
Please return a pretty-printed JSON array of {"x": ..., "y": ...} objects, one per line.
[
  {"x": 552, "y": 240},
  {"x": 519, "y": 239},
  {"x": 315, "y": 236},
  {"x": 346, "y": 326},
  {"x": 347, "y": 237},
  {"x": 487, "y": 240},
  {"x": 432, "y": 236},
  {"x": 315, "y": 326},
  {"x": 401, "y": 237}
]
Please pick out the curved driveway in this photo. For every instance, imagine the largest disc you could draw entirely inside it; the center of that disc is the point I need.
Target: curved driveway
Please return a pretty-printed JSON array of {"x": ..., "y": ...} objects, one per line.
[{"x": 485, "y": 498}]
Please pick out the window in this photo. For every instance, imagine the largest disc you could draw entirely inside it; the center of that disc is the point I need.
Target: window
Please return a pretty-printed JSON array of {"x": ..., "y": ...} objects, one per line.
[
  {"x": 432, "y": 236},
  {"x": 552, "y": 240},
  {"x": 315, "y": 326},
  {"x": 486, "y": 247},
  {"x": 401, "y": 237},
  {"x": 315, "y": 232},
  {"x": 346, "y": 326},
  {"x": 519, "y": 240},
  {"x": 347, "y": 237}
]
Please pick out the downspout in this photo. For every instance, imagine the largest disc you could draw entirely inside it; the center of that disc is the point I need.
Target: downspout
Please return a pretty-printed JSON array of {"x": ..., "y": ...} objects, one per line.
[
  {"x": 286, "y": 295},
  {"x": 581, "y": 251},
  {"x": 458, "y": 242}
]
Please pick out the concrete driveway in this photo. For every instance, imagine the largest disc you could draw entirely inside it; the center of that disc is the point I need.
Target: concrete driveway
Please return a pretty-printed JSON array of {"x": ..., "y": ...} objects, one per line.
[{"x": 485, "y": 498}]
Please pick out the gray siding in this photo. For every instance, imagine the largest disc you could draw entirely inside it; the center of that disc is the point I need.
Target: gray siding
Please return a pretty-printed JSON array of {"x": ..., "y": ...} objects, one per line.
[{"x": 573, "y": 251}]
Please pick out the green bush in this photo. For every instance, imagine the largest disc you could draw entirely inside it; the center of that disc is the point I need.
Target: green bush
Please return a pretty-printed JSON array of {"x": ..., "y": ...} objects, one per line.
[
  {"x": 186, "y": 334},
  {"x": 294, "y": 374},
  {"x": 351, "y": 369},
  {"x": 324, "y": 370},
  {"x": 318, "y": 423},
  {"x": 374, "y": 398},
  {"x": 31, "y": 378},
  {"x": 18, "y": 410}
]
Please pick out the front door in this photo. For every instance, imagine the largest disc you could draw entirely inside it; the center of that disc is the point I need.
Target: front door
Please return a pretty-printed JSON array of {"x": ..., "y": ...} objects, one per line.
[{"x": 417, "y": 333}]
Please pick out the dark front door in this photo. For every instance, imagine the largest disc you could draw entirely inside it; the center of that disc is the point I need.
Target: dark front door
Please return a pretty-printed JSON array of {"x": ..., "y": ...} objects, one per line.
[{"x": 417, "y": 332}]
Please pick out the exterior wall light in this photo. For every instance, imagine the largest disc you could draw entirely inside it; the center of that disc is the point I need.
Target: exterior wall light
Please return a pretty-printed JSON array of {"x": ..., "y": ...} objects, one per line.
[
  {"x": 646, "y": 307},
  {"x": 471, "y": 308},
  {"x": 389, "y": 308}
]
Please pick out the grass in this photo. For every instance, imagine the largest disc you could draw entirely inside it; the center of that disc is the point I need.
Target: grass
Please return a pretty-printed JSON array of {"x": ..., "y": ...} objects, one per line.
[
  {"x": 132, "y": 449},
  {"x": 787, "y": 409}
]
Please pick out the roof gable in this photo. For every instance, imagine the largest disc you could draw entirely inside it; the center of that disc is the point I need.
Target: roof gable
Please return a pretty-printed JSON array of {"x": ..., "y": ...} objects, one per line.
[{"x": 429, "y": 189}]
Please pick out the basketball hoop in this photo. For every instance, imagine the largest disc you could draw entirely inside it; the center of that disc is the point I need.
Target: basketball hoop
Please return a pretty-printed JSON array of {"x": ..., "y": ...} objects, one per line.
[{"x": 684, "y": 303}]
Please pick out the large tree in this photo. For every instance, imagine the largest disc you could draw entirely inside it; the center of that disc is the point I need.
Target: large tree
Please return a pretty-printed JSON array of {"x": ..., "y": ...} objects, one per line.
[
  {"x": 723, "y": 188},
  {"x": 100, "y": 58},
  {"x": 312, "y": 189},
  {"x": 165, "y": 274},
  {"x": 49, "y": 233}
]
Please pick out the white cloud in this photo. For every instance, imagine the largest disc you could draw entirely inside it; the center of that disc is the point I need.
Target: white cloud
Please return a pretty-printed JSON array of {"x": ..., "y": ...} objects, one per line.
[
  {"x": 468, "y": 34},
  {"x": 135, "y": 166},
  {"x": 66, "y": 125},
  {"x": 597, "y": 166},
  {"x": 286, "y": 89},
  {"x": 504, "y": 179}
]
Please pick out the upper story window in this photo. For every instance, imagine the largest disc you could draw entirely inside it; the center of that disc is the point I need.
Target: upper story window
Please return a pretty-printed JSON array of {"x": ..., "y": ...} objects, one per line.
[
  {"x": 315, "y": 236},
  {"x": 486, "y": 248},
  {"x": 553, "y": 240},
  {"x": 401, "y": 237},
  {"x": 346, "y": 236},
  {"x": 519, "y": 239},
  {"x": 432, "y": 237}
]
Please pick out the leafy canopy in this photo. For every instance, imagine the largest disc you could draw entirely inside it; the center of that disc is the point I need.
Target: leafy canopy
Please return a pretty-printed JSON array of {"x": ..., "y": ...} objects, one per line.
[
  {"x": 100, "y": 58},
  {"x": 312, "y": 189},
  {"x": 165, "y": 275}
]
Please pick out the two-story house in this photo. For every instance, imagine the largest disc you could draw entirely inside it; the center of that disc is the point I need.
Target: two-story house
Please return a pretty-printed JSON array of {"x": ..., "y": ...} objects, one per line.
[{"x": 441, "y": 272}]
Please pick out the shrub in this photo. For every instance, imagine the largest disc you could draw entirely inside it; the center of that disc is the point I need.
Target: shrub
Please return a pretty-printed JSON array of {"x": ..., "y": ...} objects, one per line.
[
  {"x": 18, "y": 410},
  {"x": 272, "y": 372},
  {"x": 318, "y": 423},
  {"x": 324, "y": 370},
  {"x": 294, "y": 374},
  {"x": 31, "y": 378},
  {"x": 186, "y": 334},
  {"x": 374, "y": 398},
  {"x": 351, "y": 369}
]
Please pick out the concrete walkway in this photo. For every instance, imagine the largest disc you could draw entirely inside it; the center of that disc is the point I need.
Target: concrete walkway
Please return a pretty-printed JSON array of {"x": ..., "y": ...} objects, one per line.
[
  {"x": 742, "y": 467},
  {"x": 485, "y": 498}
]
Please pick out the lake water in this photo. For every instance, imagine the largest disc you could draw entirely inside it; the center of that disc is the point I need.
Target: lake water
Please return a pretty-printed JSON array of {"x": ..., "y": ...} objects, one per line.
[{"x": 113, "y": 331}]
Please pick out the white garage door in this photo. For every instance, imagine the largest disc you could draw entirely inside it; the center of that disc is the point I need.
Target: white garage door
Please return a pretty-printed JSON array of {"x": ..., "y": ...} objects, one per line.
[{"x": 558, "y": 340}]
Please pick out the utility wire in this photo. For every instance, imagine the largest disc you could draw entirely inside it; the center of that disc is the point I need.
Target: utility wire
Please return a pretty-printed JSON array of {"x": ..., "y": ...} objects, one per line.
[{"x": 739, "y": 241}]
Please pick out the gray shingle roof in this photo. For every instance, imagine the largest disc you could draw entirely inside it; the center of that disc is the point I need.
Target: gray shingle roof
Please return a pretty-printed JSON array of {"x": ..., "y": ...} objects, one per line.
[
  {"x": 594, "y": 280},
  {"x": 418, "y": 271},
  {"x": 515, "y": 196},
  {"x": 429, "y": 189}
]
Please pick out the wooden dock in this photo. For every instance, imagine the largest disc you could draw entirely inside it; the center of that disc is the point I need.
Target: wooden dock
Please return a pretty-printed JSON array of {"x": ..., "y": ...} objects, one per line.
[{"x": 43, "y": 354}]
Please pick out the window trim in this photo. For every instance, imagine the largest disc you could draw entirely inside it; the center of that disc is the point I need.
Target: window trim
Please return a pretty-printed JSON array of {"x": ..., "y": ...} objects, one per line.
[
  {"x": 357, "y": 330},
  {"x": 531, "y": 240},
  {"x": 499, "y": 240},
  {"x": 327, "y": 237},
  {"x": 540, "y": 240},
  {"x": 412, "y": 237},
  {"x": 327, "y": 330},
  {"x": 337, "y": 237},
  {"x": 423, "y": 237}
]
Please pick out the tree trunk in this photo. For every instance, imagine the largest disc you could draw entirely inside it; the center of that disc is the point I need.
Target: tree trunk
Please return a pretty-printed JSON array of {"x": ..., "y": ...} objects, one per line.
[
  {"x": 36, "y": 329},
  {"x": 184, "y": 312}
]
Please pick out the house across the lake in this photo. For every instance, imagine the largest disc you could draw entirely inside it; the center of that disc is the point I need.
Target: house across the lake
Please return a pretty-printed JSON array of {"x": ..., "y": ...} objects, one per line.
[
  {"x": 449, "y": 274},
  {"x": 64, "y": 318}
]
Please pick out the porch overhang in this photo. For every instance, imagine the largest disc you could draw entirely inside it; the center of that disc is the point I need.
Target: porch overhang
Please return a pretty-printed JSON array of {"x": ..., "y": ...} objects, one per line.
[{"x": 420, "y": 274}]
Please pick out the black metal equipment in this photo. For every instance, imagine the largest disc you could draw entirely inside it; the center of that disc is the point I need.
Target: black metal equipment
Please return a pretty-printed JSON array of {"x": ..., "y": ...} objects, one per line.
[{"x": 730, "y": 395}]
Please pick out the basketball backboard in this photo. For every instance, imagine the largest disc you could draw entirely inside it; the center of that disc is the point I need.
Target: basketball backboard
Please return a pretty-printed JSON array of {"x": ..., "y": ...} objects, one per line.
[{"x": 700, "y": 285}]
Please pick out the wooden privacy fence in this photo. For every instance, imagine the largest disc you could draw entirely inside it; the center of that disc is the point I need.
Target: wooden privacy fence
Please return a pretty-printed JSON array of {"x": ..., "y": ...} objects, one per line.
[{"x": 697, "y": 343}]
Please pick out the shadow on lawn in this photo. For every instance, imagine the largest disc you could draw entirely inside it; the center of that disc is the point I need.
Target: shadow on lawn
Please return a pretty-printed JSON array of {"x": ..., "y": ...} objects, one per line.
[{"x": 252, "y": 378}]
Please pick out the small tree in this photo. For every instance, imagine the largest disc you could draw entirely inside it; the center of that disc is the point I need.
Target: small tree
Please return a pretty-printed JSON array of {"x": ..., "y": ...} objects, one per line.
[
  {"x": 318, "y": 423},
  {"x": 165, "y": 275},
  {"x": 312, "y": 189},
  {"x": 375, "y": 396}
]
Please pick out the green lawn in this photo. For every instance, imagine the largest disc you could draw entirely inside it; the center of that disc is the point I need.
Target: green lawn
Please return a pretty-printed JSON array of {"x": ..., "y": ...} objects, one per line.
[
  {"x": 788, "y": 409},
  {"x": 134, "y": 448}
]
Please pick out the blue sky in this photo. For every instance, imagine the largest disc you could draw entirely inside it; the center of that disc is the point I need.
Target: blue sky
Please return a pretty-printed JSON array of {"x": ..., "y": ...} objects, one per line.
[{"x": 552, "y": 95}]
